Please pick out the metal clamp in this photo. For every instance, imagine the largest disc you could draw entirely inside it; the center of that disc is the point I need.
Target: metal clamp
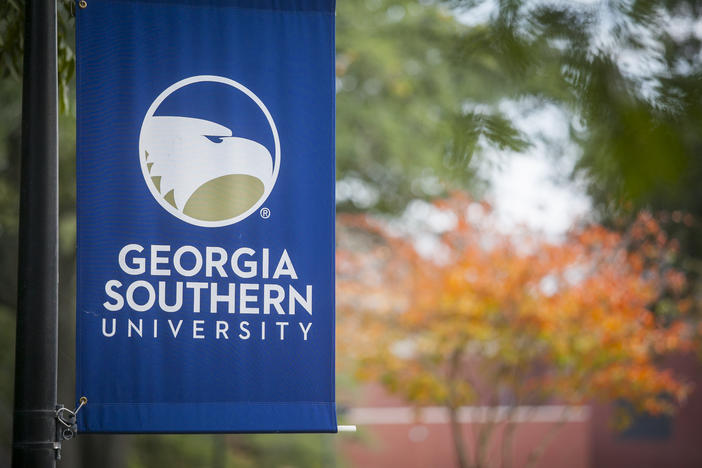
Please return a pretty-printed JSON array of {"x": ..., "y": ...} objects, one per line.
[{"x": 67, "y": 426}]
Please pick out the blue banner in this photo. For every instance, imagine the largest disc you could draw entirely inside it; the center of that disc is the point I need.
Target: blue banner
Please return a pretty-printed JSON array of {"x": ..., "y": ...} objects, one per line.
[{"x": 205, "y": 179}]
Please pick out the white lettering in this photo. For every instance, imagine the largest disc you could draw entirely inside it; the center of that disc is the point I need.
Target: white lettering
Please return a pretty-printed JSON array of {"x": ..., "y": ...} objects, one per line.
[
  {"x": 269, "y": 300},
  {"x": 244, "y": 298},
  {"x": 162, "y": 297},
  {"x": 285, "y": 267},
  {"x": 176, "y": 329},
  {"x": 196, "y": 287},
  {"x": 264, "y": 263},
  {"x": 114, "y": 328},
  {"x": 305, "y": 330},
  {"x": 222, "y": 328},
  {"x": 178, "y": 264},
  {"x": 296, "y": 297},
  {"x": 197, "y": 329},
  {"x": 131, "y": 326},
  {"x": 244, "y": 327},
  {"x": 282, "y": 326},
  {"x": 149, "y": 301},
  {"x": 156, "y": 260},
  {"x": 119, "y": 301},
  {"x": 250, "y": 265},
  {"x": 228, "y": 298},
  {"x": 217, "y": 264},
  {"x": 140, "y": 262}
]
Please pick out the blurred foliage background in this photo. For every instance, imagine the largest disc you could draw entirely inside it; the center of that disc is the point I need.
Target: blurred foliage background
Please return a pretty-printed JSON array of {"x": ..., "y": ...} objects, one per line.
[{"x": 427, "y": 93}]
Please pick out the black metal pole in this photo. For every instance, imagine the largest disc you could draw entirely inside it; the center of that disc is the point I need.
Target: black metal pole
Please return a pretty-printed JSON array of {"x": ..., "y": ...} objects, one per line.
[{"x": 34, "y": 425}]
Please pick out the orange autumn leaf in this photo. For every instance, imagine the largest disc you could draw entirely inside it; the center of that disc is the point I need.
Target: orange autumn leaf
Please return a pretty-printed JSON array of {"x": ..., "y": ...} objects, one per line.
[{"x": 481, "y": 315}]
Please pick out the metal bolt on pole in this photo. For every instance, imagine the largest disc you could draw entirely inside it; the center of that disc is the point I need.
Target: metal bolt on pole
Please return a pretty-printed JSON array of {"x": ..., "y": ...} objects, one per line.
[{"x": 34, "y": 424}]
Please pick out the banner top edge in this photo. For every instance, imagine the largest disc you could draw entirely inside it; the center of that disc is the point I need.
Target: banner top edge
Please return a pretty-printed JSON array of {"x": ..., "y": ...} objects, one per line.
[{"x": 321, "y": 6}]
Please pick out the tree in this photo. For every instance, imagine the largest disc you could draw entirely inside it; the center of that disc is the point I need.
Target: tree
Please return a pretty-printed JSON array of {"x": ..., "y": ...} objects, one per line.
[
  {"x": 492, "y": 319},
  {"x": 12, "y": 44},
  {"x": 626, "y": 71},
  {"x": 627, "y": 74},
  {"x": 409, "y": 114}
]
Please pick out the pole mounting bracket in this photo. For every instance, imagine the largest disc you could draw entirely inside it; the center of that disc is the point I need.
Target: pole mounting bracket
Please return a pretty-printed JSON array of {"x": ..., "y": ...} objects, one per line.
[{"x": 66, "y": 424}]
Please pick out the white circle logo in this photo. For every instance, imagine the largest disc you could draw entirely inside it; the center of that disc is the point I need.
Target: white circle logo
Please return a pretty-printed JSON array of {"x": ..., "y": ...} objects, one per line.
[{"x": 202, "y": 171}]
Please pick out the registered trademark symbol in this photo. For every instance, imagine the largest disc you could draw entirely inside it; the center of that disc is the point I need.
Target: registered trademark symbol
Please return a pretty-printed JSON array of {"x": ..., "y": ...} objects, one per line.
[{"x": 265, "y": 213}]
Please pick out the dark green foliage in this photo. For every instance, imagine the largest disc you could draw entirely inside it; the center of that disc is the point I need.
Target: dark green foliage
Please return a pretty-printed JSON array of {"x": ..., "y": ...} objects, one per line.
[
  {"x": 235, "y": 451},
  {"x": 12, "y": 44},
  {"x": 9, "y": 201},
  {"x": 414, "y": 102},
  {"x": 629, "y": 73}
]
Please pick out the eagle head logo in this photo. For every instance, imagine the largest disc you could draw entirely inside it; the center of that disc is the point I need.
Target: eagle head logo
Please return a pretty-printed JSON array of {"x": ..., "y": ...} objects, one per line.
[{"x": 201, "y": 171}]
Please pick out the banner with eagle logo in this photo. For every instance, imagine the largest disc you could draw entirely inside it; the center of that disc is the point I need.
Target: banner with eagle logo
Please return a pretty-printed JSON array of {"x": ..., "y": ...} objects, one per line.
[{"x": 205, "y": 203}]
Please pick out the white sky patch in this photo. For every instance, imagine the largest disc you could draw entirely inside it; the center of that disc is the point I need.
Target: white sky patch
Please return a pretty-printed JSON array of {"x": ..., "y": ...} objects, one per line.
[
  {"x": 525, "y": 193},
  {"x": 357, "y": 191},
  {"x": 424, "y": 222},
  {"x": 477, "y": 15},
  {"x": 533, "y": 188}
]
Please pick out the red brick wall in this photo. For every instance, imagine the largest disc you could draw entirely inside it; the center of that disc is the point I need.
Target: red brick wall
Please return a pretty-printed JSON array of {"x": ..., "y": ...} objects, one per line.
[{"x": 683, "y": 447}]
